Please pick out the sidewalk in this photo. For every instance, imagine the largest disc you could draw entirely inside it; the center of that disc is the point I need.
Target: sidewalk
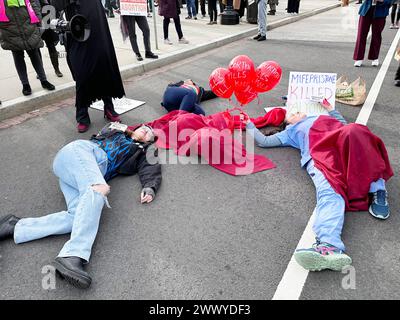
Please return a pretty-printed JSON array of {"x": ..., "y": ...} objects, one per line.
[{"x": 202, "y": 37}]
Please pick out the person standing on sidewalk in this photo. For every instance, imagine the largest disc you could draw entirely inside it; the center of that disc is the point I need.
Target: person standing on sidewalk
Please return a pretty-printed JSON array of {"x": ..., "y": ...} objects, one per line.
[
  {"x": 171, "y": 9},
  {"x": 191, "y": 9},
  {"x": 212, "y": 11},
  {"x": 19, "y": 32},
  {"x": 395, "y": 21},
  {"x": 272, "y": 7},
  {"x": 128, "y": 23},
  {"x": 262, "y": 21},
  {"x": 50, "y": 37},
  {"x": 202, "y": 7},
  {"x": 373, "y": 15},
  {"x": 84, "y": 168}
]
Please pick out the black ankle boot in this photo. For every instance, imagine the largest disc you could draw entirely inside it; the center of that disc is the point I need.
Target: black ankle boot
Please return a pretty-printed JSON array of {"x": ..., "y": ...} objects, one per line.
[
  {"x": 139, "y": 57},
  {"x": 26, "y": 90},
  {"x": 7, "y": 226},
  {"x": 151, "y": 55},
  {"x": 71, "y": 269},
  {"x": 47, "y": 85}
]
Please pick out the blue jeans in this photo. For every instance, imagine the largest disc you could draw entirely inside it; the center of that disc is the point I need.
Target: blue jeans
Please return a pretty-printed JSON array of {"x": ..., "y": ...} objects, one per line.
[
  {"x": 330, "y": 208},
  {"x": 177, "y": 98},
  {"x": 262, "y": 17},
  {"x": 79, "y": 165},
  {"x": 191, "y": 8}
]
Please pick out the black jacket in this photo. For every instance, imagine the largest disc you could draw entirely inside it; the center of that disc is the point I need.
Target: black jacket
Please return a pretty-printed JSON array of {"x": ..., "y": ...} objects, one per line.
[{"x": 136, "y": 161}]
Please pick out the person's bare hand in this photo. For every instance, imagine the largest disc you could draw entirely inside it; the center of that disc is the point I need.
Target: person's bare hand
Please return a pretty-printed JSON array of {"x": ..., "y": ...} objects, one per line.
[
  {"x": 326, "y": 105},
  {"x": 244, "y": 117},
  {"x": 146, "y": 198}
]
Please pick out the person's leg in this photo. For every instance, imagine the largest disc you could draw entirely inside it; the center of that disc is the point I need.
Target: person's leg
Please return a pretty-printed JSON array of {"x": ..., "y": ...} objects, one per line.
[
  {"x": 109, "y": 111},
  {"x": 20, "y": 65},
  {"x": 172, "y": 98},
  {"x": 198, "y": 110},
  {"x": 189, "y": 8},
  {"x": 327, "y": 253},
  {"x": 214, "y": 9},
  {"x": 37, "y": 63},
  {"x": 188, "y": 102},
  {"x": 364, "y": 24},
  {"x": 165, "y": 27},
  {"x": 262, "y": 17},
  {"x": 379, "y": 207},
  {"x": 53, "y": 53},
  {"x": 82, "y": 109},
  {"x": 81, "y": 164},
  {"x": 178, "y": 27},
  {"x": 330, "y": 210},
  {"x": 397, "y": 77},
  {"x": 393, "y": 14},
  {"x": 376, "y": 40},
  {"x": 144, "y": 26},
  {"x": 130, "y": 23},
  {"x": 203, "y": 7},
  {"x": 398, "y": 15}
]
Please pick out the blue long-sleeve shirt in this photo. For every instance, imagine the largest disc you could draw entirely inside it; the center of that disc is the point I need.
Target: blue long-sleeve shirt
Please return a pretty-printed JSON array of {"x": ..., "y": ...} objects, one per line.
[{"x": 296, "y": 135}]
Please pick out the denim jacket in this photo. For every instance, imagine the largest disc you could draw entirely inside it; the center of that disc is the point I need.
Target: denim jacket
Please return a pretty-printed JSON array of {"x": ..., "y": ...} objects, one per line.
[{"x": 381, "y": 8}]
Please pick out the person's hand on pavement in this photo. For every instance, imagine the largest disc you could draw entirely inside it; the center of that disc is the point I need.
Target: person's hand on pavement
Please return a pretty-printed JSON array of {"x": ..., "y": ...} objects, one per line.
[{"x": 147, "y": 195}]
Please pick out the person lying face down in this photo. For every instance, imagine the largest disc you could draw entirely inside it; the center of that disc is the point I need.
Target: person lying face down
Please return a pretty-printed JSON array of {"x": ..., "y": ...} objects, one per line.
[
  {"x": 187, "y": 96},
  {"x": 84, "y": 167},
  {"x": 328, "y": 251}
]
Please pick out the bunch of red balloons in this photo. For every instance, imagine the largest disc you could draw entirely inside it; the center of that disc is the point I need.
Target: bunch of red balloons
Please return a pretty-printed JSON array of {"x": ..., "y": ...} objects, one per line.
[{"x": 244, "y": 80}]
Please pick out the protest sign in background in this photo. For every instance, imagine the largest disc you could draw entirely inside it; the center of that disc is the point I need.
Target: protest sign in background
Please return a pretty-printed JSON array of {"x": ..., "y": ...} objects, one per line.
[{"x": 133, "y": 7}]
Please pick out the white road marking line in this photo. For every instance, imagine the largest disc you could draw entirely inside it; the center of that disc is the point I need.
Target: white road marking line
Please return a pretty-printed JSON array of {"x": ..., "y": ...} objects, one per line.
[
  {"x": 366, "y": 110},
  {"x": 294, "y": 278}
]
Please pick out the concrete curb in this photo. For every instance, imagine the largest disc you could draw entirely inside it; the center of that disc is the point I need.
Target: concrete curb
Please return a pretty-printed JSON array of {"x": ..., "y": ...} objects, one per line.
[{"x": 41, "y": 99}]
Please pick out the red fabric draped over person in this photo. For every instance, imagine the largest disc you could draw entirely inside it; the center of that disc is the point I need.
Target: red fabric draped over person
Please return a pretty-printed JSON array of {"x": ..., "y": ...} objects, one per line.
[
  {"x": 211, "y": 137},
  {"x": 351, "y": 157}
]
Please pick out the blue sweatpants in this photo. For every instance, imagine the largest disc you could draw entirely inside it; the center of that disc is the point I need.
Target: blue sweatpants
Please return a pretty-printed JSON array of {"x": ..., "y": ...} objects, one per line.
[
  {"x": 330, "y": 208},
  {"x": 177, "y": 98}
]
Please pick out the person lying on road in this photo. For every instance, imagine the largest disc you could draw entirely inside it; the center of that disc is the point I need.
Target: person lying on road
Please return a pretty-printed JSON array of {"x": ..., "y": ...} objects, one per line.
[
  {"x": 83, "y": 168},
  {"x": 347, "y": 164}
]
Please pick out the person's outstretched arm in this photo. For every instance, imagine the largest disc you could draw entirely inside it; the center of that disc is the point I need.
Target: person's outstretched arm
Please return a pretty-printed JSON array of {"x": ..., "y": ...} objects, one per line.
[{"x": 262, "y": 140}]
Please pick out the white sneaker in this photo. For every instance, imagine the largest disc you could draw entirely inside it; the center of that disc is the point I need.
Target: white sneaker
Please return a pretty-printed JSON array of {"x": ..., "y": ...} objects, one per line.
[
  {"x": 375, "y": 63},
  {"x": 183, "y": 40},
  {"x": 167, "y": 41},
  {"x": 358, "y": 63}
]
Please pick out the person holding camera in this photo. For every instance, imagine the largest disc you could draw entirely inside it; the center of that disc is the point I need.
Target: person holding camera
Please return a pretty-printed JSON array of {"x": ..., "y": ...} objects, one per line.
[
  {"x": 20, "y": 32},
  {"x": 84, "y": 167}
]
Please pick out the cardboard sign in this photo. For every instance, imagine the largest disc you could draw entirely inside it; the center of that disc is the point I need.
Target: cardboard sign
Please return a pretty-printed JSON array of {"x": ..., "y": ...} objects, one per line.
[
  {"x": 133, "y": 7},
  {"x": 311, "y": 87},
  {"x": 120, "y": 105}
]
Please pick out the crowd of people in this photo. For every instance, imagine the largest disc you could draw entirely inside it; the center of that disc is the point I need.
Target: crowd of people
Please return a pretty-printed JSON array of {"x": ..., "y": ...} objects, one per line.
[{"x": 85, "y": 167}]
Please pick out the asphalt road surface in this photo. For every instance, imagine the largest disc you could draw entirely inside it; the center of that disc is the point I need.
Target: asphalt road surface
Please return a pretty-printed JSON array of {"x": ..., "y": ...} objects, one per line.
[{"x": 207, "y": 235}]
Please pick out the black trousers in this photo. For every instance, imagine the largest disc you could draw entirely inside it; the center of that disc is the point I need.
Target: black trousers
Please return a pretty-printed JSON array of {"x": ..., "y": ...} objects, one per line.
[
  {"x": 144, "y": 26},
  {"x": 393, "y": 14},
  {"x": 293, "y": 6},
  {"x": 202, "y": 6},
  {"x": 398, "y": 73},
  {"x": 82, "y": 113},
  {"x": 178, "y": 27},
  {"x": 20, "y": 65},
  {"x": 212, "y": 10}
]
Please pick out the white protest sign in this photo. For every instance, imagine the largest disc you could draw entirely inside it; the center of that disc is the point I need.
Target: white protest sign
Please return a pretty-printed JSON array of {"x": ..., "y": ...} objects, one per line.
[
  {"x": 133, "y": 7},
  {"x": 311, "y": 87},
  {"x": 120, "y": 105}
]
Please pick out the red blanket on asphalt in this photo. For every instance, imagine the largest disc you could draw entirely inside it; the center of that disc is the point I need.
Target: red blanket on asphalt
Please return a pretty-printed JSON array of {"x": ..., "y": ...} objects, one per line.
[
  {"x": 350, "y": 157},
  {"x": 211, "y": 138}
]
